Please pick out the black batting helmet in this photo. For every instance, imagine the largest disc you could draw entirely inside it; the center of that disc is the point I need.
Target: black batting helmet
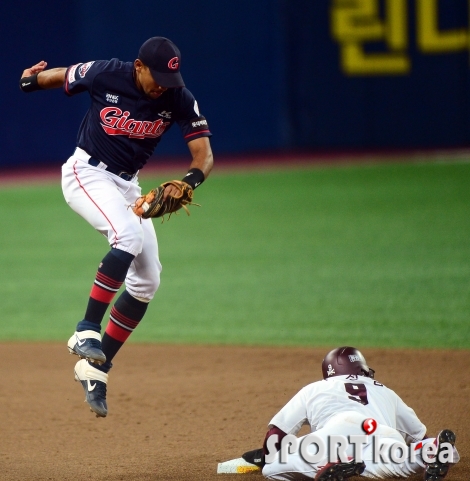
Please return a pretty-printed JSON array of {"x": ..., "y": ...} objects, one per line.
[{"x": 345, "y": 360}]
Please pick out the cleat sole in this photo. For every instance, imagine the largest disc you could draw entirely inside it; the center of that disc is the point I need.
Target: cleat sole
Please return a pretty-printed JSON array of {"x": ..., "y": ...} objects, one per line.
[
  {"x": 437, "y": 471},
  {"x": 447, "y": 436},
  {"x": 88, "y": 358},
  {"x": 340, "y": 471}
]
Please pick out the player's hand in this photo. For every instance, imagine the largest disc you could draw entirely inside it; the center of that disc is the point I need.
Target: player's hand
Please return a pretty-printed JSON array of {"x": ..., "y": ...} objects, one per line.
[
  {"x": 39, "y": 67},
  {"x": 171, "y": 191},
  {"x": 154, "y": 205}
]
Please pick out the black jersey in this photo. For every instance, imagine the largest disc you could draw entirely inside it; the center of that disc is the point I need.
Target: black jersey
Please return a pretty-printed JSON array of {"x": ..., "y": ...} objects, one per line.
[{"x": 123, "y": 126}]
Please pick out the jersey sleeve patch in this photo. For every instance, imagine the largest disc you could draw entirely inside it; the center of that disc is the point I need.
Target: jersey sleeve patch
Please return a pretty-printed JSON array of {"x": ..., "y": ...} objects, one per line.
[
  {"x": 197, "y": 127},
  {"x": 78, "y": 79},
  {"x": 84, "y": 68},
  {"x": 196, "y": 108},
  {"x": 71, "y": 73}
]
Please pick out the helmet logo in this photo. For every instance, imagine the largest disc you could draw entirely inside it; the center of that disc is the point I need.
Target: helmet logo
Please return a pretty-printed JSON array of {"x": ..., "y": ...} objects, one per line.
[
  {"x": 354, "y": 357},
  {"x": 330, "y": 371}
]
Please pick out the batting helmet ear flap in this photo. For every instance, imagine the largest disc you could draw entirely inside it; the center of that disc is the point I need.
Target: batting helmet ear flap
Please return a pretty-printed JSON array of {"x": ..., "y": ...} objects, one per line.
[{"x": 345, "y": 360}]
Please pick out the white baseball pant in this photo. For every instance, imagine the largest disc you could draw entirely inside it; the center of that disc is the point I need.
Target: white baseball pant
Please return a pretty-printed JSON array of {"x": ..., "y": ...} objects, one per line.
[
  {"x": 103, "y": 200},
  {"x": 346, "y": 424}
]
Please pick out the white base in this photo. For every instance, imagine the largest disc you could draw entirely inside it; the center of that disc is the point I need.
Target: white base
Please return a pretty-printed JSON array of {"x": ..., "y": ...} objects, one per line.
[{"x": 237, "y": 466}]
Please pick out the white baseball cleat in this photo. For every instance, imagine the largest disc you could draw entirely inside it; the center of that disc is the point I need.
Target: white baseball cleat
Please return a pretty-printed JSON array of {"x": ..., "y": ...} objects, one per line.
[
  {"x": 87, "y": 345},
  {"x": 94, "y": 383}
]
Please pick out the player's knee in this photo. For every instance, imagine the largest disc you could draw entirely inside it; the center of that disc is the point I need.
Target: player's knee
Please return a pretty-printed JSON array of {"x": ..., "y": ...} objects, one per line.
[
  {"x": 131, "y": 240},
  {"x": 271, "y": 471},
  {"x": 152, "y": 286},
  {"x": 146, "y": 285}
]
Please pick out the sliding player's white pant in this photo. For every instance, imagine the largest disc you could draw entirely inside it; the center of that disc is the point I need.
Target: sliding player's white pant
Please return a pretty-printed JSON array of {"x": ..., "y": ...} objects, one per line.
[{"x": 377, "y": 466}]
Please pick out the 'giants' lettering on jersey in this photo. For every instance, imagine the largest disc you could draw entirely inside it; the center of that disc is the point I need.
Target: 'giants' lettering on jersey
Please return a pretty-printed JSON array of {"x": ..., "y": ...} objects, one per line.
[{"x": 116, "y": 122}]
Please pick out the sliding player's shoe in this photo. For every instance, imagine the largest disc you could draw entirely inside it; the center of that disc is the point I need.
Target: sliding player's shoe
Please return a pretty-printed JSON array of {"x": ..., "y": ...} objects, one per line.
[
  {"x": 439, "y": 468},
  {"x": 339, "y": 471}
]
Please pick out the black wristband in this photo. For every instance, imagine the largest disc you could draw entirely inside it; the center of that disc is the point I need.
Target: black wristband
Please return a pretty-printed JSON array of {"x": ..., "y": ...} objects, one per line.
[
  {"x": 30, "y": 84},
  {"x": 194, "y": 177}
]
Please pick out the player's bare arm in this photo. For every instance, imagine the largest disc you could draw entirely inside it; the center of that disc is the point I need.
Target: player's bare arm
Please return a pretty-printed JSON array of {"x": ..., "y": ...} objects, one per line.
[
  {"x": 42, "y": 78},
  {"x": 203, "y": 160},
  {"x": 202, "y": 155},
  {"x": 53, "y": 78}
]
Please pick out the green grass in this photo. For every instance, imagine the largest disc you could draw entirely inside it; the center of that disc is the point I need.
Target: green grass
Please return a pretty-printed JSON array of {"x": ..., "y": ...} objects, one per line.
[{"x": 372, "y": 255}]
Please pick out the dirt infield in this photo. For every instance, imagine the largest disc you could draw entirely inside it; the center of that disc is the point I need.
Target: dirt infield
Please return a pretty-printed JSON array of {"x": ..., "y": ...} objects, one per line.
[{"x": 176, "y": 411}]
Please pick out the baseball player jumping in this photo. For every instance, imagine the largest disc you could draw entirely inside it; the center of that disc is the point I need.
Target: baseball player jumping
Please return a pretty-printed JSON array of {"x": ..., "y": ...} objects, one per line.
[
  {"x": 349, "y": 403},
  {"x": 132, "y": 105}
]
